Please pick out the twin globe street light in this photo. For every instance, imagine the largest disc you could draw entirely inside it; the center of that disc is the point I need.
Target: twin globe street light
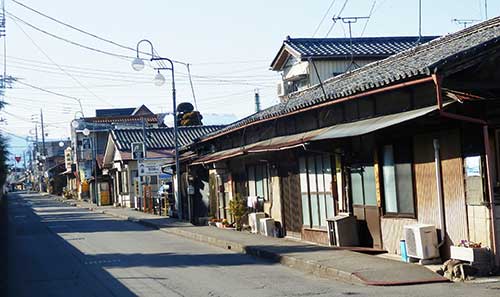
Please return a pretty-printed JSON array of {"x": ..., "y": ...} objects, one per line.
[{"x": 159, "y": 80}]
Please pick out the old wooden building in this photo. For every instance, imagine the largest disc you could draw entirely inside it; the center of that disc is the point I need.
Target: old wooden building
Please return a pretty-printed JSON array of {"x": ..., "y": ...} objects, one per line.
[{"x": 411, "y": 138}]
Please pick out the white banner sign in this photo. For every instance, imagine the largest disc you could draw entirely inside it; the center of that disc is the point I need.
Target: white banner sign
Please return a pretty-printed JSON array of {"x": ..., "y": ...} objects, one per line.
[{"x": 149, "y": 167}]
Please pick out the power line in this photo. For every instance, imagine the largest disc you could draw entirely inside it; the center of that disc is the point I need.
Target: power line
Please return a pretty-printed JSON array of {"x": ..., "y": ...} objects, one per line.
[
  {"x": 85, "y": 32},
  {"x": 323, "y": 18},
  {"x": 334, "y": 22},
  {"x": 59, "y": 67},
  {"x": 368, "y": 19},
  {"x": 48, "y": 91},
  {"x": 12, "y": 16}
]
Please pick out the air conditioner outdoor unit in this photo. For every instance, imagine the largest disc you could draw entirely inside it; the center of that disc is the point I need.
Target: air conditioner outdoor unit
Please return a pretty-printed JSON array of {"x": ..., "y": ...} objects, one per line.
[
  {"x": 267, "y": 226},
  {"x": 254, "y": 221},
  {"x": 343, "y": 231},
  {"x": 421, "y": 241}
]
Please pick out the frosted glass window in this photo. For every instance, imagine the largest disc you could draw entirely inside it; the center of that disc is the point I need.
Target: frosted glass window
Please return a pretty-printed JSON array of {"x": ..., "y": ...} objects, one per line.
[
  {"x": 251, "y": 181},
  {"x": 389, "y": 176},
  {"x": 259, "y": 183},
  {"x": 327, "y": 175},
  {"x": 304, "y": 189},
  {"x": 370, "y": 189},
  {"x": 315, "y": 182},
  {"x": 398, "y": 179},
  {"x": 357, "y": 186}
]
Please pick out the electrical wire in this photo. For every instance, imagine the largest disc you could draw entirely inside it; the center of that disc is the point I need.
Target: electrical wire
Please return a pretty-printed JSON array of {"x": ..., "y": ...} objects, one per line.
[
  {"x": 59, "y": 67},
  {"x": 334, "y": 22},
  {"x": 47, "y": 91},
  {"x": 323, "y": 18},
  {"x": 86, "y": 32},
  {"x": 12, "y": 16},
  {"x": 368, "y": 19}
]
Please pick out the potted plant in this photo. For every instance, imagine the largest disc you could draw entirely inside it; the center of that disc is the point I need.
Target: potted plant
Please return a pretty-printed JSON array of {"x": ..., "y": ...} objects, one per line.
[{"x": 237, "y": 208}]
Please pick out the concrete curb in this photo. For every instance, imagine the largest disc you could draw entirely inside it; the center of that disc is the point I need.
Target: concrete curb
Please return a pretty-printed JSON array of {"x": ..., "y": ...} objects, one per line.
[
  {"x": 310, "y": 267},
  {"x": 303, "y": 265}
]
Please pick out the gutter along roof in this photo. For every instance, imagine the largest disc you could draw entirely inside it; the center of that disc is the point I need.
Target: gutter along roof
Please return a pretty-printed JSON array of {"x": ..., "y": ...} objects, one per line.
[{"x": 412, "y": 66}]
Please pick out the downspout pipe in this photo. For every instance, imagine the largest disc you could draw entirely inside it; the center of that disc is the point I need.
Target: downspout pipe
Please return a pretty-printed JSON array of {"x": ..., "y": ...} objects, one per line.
[
  {"x": 439, "y": 185},
  {"x": 438, "y": 81}
]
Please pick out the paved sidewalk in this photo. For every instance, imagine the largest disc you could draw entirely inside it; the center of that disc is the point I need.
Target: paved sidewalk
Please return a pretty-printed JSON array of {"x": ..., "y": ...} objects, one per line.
[{"x": 322, "y": 261}]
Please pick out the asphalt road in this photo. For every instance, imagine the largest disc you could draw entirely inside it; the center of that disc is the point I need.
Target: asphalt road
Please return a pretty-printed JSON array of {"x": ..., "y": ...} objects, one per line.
[{"x": 57, "y": 250}]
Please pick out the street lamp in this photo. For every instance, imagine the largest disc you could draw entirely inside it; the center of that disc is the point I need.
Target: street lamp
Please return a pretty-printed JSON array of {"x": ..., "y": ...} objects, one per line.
[
  {"x": 86, "y": 132},
  {"x": 159, "y": 79}
]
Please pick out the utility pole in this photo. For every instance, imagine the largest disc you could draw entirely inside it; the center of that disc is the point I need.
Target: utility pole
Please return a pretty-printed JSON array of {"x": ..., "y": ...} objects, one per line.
[
  {"x": 37, "y": 158},
  {"x": 44, "y": 152},
  {"x": 3, "y": 34},
  {"x": 139, "y": 177},
  {"x": 257, "y": 100}
]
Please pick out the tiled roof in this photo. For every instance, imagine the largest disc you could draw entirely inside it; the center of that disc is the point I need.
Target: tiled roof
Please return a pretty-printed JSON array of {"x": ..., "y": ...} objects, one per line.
[
  {"x": 160, "y": 138},
  {"x": 123, "y": 119},
  {"x": 114, "y": 112},
  {"x": 417, "y": 62},
  {"x": 364, "y": 46}
]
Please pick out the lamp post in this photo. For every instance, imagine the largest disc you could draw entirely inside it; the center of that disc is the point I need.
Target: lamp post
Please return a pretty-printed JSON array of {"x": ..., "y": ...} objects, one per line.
[
  {"x": 86, "y": 132},
  {"x": 159, "y": 79}
]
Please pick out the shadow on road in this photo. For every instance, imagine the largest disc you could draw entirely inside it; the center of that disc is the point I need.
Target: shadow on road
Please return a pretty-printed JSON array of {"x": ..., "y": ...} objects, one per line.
[
  {"x": 41, "y": 263},
  {"x": 54, "y": 227}
]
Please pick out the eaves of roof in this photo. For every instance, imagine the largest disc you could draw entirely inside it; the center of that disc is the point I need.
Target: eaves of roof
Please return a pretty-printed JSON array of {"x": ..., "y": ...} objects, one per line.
[{"x": 405, "y": 68}]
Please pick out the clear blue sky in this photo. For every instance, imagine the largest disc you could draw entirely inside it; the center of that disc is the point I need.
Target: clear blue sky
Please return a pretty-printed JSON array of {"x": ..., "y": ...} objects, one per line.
[{"x": 230, "y": 45}]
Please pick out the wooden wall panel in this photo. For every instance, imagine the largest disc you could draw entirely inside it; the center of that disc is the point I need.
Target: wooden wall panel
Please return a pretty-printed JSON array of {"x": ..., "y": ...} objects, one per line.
[
  {"x": 425, "y": 180},
  {"x": 453, "y": 187},
  {"x": 315, "y": 235},
  {"x": 291, "y": 199},
  {"x": 392, "y": 233}
]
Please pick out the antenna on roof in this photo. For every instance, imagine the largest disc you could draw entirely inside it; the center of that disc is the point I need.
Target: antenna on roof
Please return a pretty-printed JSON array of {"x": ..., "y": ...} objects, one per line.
[
  {"x": 419, "y": 21},
  {"x": 464, "y": 22},
  {"x": 349, "y": 21},
  {"x": 485, "y": 9}
]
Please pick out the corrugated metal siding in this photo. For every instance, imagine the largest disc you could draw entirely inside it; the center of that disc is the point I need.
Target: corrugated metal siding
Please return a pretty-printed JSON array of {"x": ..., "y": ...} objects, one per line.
[{"x": 326, "y": 69}]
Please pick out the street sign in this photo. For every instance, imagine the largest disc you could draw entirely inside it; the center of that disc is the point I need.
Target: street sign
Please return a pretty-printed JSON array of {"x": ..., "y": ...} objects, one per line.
[
  {"x": 167, "y": 170},
  {"x": 149, "y": 167},
  {"x": 137, "y": 150}
]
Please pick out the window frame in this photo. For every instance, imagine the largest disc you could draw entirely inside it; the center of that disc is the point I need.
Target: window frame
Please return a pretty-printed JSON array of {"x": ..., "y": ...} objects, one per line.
[
  {"x": 312, "y": 175},
  {"x": 253, "y": 184},
  {"x": 124, "y": 179},
  {"x": 382, "y": 185}
]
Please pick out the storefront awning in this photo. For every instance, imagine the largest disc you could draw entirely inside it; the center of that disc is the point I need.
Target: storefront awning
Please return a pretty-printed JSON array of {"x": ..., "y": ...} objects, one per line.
[
  {"x": 371, "y": 125},
  {"x": 333, "y": 132}
]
